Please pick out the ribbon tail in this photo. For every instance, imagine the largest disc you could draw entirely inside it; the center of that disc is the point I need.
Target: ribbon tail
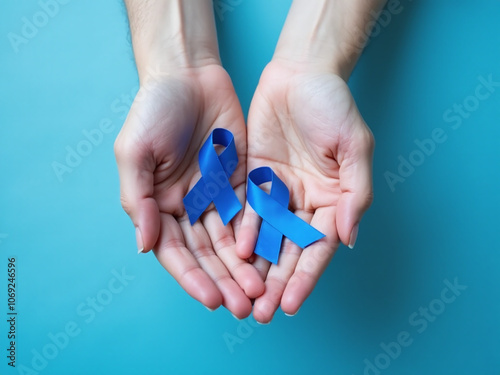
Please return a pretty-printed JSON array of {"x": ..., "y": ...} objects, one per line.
[
  {"x": 197, "y": 201},
  {"x": 228, "y": 206},
  {"x": 300, "y": 232},
  {"x": 268, "y": 243}
]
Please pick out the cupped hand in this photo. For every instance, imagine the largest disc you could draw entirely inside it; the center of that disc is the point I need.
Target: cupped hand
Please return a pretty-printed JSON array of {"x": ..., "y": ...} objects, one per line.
[
  {"x": 305, "y": 125},
  {"x": 157, "y": 155}
]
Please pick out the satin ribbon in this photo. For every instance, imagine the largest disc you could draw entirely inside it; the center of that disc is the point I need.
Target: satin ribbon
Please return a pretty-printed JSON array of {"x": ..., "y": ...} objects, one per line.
[
  {"x": 277, "y": 220},
  {"x": 214, "y": 186}
]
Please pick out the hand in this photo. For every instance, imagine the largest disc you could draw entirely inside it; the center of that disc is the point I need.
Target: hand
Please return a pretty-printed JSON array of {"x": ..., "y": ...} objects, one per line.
[
  {"x": 305, "y": 125},
  {"x": 157, "y": 154}
]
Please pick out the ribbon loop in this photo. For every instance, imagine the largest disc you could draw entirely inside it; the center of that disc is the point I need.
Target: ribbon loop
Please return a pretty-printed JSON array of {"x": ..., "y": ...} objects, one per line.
[
  {"x": 277, "y": 220},
  {"x": 214, "y": 186}
]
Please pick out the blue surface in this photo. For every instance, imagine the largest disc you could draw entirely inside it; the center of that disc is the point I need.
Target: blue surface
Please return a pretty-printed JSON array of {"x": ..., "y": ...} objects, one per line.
[{"x": 70, "y": 236}]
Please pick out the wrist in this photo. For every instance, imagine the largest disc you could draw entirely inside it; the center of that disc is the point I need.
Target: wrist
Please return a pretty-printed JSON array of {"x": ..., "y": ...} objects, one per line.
[
  {"x": 326, "y": 35},
  {"x": 172, "y": 35}
]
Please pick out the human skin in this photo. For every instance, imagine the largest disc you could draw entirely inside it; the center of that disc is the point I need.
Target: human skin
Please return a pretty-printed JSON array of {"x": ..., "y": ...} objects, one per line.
[
  {"x": 184, "y": 94},
  {"x": 304, "y": 124}
]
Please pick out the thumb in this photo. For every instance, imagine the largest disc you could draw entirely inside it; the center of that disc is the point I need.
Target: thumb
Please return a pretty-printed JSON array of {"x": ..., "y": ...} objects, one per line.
[
  {"x": 355, "y": 183},
  {"x": 136, "y": 167}
]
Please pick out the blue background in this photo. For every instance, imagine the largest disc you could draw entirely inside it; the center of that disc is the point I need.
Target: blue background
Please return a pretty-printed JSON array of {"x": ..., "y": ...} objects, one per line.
[{"x": 69, "y": 235}]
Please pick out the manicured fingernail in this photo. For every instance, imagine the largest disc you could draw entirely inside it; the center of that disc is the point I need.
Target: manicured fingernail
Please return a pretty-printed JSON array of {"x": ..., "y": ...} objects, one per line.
[
  {"x": 138, "y": 238},
  {"x": 263, "y": 324},
  {"x": 209, "y": 309},
  {"x": 354, "y": 236},
  {"x": 235, "y": 317}
]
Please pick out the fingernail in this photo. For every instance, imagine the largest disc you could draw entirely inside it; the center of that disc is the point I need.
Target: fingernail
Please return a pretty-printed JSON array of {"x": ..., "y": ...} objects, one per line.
[
  {"x": 354, "y": 236},
  {"x": 138, "y": 238},
  {"x": 293, "y": 314},
  {"x": 209, "y": 309},
  {"x": 235, "y": 317},
  {"x": 262, "y": 324}
]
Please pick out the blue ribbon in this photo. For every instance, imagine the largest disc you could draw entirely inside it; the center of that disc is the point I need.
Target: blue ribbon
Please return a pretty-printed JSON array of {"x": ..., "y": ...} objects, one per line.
[
  {"x": 277, "y": 220},
  {"x": 214, "y": 186}
]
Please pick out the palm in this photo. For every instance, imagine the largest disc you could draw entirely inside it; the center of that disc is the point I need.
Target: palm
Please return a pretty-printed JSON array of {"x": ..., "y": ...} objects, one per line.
[
  {"x": 176, "y": 115},
  {"x": 306, "y": 127},
  {"x": 294, "y": 130},
  {"x": 167, "y": 124}
]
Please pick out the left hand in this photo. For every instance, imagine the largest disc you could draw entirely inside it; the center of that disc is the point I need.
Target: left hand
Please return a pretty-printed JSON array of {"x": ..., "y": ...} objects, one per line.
[{"x": 305, "y": 125}]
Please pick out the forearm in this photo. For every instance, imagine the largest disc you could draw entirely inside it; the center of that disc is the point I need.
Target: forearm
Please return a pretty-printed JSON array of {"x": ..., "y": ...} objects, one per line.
[
  {"x": 327, "y": 34},
  {"x": 172, "y": 34}
]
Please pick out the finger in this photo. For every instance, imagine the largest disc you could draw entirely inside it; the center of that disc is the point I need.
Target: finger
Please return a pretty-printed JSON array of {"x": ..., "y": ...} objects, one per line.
[
  {"x": 136, "y": 167},
  {"x": 173, "y": 255},
  {"x": 246, "y": 239},
  {"x": 224, "y": 244},
  {"x": 355, "y": 183},
  {"x": 248, "y": 232},
  {"x": 199, "y": 244},
  {"x": 261, "y": 265},
  {"x": 313, "y": 261},
  {"x": 278, "y": 277}
]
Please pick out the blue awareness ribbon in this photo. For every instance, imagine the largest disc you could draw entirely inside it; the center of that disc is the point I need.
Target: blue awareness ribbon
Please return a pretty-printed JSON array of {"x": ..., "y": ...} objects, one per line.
[
  {"x": 277, "y": 220},
  {"x": 214, "y": 186}
]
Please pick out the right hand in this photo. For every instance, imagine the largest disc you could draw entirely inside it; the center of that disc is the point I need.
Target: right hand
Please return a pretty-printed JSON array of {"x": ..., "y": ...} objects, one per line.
[{"x": 157, "y": 155}]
